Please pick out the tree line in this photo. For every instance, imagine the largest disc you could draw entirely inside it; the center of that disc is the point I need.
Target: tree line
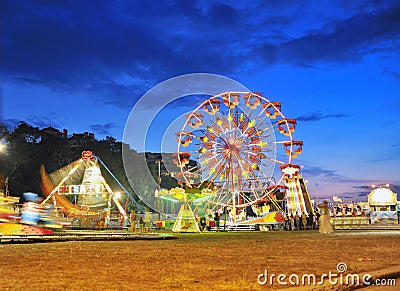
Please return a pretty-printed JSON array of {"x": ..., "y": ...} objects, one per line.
[{"x": 26, "y": 148}]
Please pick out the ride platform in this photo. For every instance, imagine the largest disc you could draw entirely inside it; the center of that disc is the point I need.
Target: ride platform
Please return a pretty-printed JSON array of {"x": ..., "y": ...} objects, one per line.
[
  {"x": 83, "y": 236},
  {"x": 367, "y": 227}
]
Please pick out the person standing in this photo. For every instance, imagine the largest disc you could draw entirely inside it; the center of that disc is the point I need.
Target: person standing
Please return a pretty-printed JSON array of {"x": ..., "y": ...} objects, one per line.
[
  {"x": 147, "y": 220},
  {"x": 141, "y": 224},
  {"x": 133, "y": 220},
  {"x": 217, "y": 218},
  {"x": 304, "y": 220},
  {"x": 291, "y": 221},
  {"x": 297, "y": 220},
  {"x": 316, "y": 222},
  {"x": 286, "y": 224},
  {"x": 202, "y": 222},
  {"x": 325, "y": 225},
  {"x": 311, "y": 220}
]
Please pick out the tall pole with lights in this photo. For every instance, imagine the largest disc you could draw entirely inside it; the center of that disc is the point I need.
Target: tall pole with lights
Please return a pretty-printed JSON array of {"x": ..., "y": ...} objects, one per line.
[
  {"x": 2, "y": 150},
  {"x": 159, "y": 187},
  {"x": 6, "y": 186}
]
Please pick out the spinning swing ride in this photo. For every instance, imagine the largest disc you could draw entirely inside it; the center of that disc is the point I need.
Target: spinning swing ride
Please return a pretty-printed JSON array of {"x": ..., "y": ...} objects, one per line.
[{"x": 236, "y": 140}]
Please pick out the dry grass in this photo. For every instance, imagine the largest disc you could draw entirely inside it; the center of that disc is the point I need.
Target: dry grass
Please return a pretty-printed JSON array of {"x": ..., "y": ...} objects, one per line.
[{"x": 208, "y": 261}]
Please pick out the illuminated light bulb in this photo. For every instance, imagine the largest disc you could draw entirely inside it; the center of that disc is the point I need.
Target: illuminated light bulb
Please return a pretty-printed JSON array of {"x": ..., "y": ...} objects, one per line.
[
  {"x": 204, "y": 139},
  {"x": 203, "y": 150},
  {"x": 262, "y": 144},
  {"x": 255, "y": 167}
]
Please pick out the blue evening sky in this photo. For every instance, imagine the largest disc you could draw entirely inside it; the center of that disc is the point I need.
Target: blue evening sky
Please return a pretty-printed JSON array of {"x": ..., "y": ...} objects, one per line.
[{"x": 334, "y": 66}]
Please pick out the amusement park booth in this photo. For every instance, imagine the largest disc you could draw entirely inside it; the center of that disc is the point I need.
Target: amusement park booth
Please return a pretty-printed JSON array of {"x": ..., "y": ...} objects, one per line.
[{"x": 382, "y": 202}]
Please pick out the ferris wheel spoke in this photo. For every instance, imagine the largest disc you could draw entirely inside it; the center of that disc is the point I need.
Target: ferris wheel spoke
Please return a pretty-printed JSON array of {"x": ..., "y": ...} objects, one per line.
[
  {"x": 270, "y": 130},
  {"x": 222, "y": 197},
  {"x": 213, "y": 174},
  {"x": 275, "y": 161},
  {"x": 256, "y": 196}
]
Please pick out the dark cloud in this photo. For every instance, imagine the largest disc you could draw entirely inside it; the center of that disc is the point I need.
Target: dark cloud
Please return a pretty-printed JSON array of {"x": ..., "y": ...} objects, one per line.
[
  {"x": 10, "y": 123},
  {"x": 1, "y": 105},
  {"x": 395, "y": 75},
  {"x": 223, "y": 15},
  {"x": 103, "y": 129},
  {"x": 77, "y": 46},
  {"x": 355, "y": 196},
  {"x": 365, "y": 187},
  {"x": 27, "y": 80},
  {"x": 317, "y": 116},
  {"x": 343, "y": 41},
  {"x": 311, "y": 171},
  {"x": 42, "y": 121},
  {"x": 365, "y": 190},
  {"x": 333, "y": 175}
]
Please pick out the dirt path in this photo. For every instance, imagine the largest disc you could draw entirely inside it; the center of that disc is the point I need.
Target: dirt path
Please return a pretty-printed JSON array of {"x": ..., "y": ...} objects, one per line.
[{"x": 207, "y": 261}]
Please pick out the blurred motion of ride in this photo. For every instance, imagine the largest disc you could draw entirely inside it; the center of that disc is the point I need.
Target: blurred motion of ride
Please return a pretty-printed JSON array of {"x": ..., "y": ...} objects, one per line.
[
  {"x": 34, "y": 213},
  {"x": 34, "y": 219},
  {"x": 8, "y": 208}
]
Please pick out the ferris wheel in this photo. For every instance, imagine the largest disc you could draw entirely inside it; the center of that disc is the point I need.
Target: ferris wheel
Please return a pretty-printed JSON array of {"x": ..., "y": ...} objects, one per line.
[{"x": 234, "y": 143}]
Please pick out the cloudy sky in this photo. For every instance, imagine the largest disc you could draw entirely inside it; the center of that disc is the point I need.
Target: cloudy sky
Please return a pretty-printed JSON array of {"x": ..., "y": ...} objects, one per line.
[{"x": 334, "y": 66}]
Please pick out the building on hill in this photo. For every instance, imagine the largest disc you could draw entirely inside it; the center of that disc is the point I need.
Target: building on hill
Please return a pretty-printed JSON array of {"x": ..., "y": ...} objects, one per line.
[
  {"x": 76, "y": 140},
  {"x": 51, "y": 131},
  {"x": 81, "y": 139}
]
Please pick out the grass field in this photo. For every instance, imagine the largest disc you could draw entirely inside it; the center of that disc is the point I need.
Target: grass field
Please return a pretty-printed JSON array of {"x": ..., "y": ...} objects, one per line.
[{"x": 206, "y": 261}]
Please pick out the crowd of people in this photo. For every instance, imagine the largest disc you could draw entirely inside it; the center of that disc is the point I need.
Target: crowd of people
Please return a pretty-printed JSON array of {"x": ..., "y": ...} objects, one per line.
[
  {"x": 144, "y": 223},
  {"x": 320, "y": 219},
  {"x": 302, "y": 221}
]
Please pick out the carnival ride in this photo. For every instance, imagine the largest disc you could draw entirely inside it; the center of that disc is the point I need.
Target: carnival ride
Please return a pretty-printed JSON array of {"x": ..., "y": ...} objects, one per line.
[
  {"x": 34, "y": 222},
  {"x": 8, "y": 210},
  {"x": 382, "y": 211},
  {"x": 297, "y": 198},
  {"x": 231, "y": 144},
  {"x": 12, "y": 222},
  {"x": 383, "y": 206},
  {"x": 81, "y": 190},
  {"x": 186, "y": 220}
]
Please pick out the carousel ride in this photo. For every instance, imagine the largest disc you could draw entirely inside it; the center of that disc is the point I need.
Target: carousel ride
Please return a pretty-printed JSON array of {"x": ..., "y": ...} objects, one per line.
[
  {"x": 185, "y": 220},
  {"x": 240, "y": 147}
]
